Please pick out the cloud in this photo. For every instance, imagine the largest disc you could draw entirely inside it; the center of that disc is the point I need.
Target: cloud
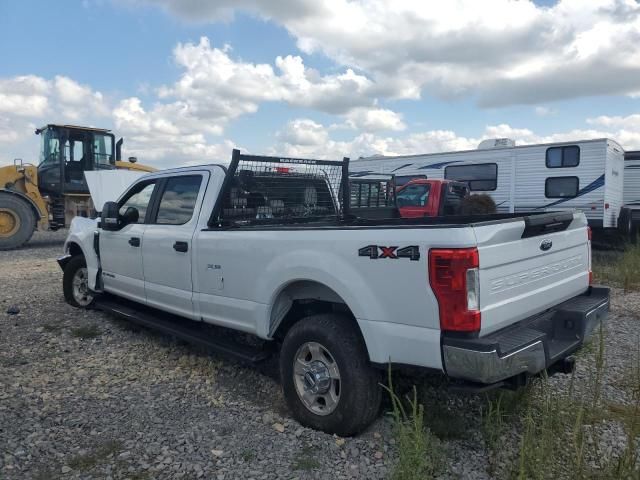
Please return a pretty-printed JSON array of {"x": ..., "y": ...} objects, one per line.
[
  {"x": 216, "y": 88},
  {"x": 304, "y": 137},
  {"x": 500, "y": 52},
  {"x": 29, "y": 101},
  {"x": 542, "y": 111}
]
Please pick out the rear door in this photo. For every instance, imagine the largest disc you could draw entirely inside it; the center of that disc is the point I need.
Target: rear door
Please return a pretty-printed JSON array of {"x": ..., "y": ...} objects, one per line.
[
  {"x": 524, "y": 271},
  {"x": 167, "y": 250}
]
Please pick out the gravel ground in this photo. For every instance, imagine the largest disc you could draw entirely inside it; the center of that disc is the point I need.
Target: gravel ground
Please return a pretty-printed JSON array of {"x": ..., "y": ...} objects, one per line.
[{"x": 83, "y": 395}]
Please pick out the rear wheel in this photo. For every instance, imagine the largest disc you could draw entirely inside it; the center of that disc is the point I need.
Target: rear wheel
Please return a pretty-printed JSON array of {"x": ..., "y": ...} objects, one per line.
[
  {"x": 17, "y": 221},
  {"x": 75, "y": 283},
  {"x": 327, "y": 380}
]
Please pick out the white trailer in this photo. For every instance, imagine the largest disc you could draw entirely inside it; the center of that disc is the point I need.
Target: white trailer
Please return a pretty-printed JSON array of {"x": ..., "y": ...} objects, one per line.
[
  {"x": 584, "y": 175},
  {"x": 632, "y": 178}
]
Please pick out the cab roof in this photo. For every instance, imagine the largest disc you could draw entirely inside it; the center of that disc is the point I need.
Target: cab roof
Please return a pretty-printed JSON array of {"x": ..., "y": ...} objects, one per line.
[{"x": 74, "y": 127}]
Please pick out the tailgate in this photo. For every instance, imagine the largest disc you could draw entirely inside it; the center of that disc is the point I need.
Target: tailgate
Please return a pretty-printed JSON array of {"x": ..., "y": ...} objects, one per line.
[{"x": 530, "y": 265}]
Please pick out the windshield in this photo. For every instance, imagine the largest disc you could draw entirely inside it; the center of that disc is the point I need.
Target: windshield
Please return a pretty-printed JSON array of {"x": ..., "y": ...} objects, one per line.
[
  {"x": 103, "y": 150},
  {"x": 413, "y": 196},
  {"x": 50, "y": 148}
]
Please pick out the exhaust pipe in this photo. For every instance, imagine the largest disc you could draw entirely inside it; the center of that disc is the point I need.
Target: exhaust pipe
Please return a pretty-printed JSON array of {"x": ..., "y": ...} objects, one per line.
[{"x": 119, "y": 149}]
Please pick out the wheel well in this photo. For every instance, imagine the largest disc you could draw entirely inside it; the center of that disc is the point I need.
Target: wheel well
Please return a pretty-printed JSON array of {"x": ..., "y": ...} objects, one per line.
[
  {"x": 301, "y": 299},
  {"x": 74, "y": 249}
]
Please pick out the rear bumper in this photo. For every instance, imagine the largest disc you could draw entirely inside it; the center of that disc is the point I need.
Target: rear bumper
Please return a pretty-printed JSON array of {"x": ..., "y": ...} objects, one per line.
[{"x": 529, "y": 346}]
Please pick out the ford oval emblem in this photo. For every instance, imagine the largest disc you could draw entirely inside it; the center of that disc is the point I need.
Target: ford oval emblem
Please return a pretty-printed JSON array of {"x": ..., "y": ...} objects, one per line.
[{"x": 546, "y": 245}]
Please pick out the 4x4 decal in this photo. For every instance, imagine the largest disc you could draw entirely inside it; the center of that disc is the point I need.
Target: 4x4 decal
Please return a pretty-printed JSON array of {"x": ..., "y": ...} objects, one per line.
[{"x": 378, "y": 251}]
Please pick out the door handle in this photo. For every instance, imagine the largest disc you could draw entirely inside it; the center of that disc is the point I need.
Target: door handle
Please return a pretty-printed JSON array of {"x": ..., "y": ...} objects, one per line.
[
  {"x": 181, "y": 246},
  {"x": 134, "y": 241}
]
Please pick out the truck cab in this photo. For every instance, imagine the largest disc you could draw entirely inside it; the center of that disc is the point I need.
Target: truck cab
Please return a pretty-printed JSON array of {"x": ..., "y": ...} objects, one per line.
[{"x": 423, "y": 197}]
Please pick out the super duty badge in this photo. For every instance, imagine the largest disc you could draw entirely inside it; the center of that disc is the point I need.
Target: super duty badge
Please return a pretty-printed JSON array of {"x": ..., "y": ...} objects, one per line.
[{"x": 378, "y": 251}]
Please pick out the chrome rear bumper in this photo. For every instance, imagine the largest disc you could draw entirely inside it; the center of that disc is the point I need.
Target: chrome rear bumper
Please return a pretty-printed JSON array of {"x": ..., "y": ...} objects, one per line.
[{"x": 529, "y": 346}]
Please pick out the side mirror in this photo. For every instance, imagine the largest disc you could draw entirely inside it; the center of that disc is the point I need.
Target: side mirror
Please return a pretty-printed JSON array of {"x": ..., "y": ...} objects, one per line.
[
  {"x": 131, "y": 215},
  {"x": 109, "y": 217}
]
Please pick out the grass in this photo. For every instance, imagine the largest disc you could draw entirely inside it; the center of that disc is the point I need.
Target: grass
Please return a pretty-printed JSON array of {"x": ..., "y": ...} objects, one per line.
[
  {"x": 93, "y": 458},
  {"x": 51, "y": 327},
  {"x": 420, "y": 454},
  {"x": 558, "y": 434},
  {"x": 248, "y": 455},
  {"x": 86, "y": 332},
  {"x": 618, "y": 269},
  {"x": 305, "y": 460}
]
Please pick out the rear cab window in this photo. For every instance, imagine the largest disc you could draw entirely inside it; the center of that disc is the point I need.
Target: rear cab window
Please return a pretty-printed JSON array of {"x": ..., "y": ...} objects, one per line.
[{"x": 277, "y": 195}]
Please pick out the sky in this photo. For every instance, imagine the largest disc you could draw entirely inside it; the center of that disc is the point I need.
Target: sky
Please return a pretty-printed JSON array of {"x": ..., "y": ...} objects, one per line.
[{"x": 185, "y": 81}]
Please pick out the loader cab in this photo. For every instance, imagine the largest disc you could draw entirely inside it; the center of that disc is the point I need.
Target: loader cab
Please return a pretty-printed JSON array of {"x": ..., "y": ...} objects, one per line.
[{"x": 68, "y": 151}]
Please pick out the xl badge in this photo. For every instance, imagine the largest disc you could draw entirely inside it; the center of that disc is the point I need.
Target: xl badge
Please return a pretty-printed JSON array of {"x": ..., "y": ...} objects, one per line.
[{"x": 546, "y": 245}]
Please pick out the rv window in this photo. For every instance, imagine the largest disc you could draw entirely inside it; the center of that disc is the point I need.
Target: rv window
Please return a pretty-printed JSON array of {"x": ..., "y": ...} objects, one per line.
[
  {"x": 561, "y": 187},
  {"x": 479, "y": 177},
  {"x": 563, "y": 157}
]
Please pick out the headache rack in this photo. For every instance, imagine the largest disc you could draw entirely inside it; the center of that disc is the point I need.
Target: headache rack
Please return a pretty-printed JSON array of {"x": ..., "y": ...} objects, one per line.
[{"x": 261, "y": 190}]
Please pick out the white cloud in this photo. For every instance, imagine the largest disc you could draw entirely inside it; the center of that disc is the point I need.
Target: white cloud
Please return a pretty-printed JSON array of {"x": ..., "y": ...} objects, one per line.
[
  {"x": 500, "y": 51},
  {"x": 216, "y": 88},
  {"x": 374, "y": 119},
  {"x": 543, "y": 111},
  {"x": 28, "y": 101},
  {"x": 308, "y": 138},
  {"x": 24, "y": 96}
]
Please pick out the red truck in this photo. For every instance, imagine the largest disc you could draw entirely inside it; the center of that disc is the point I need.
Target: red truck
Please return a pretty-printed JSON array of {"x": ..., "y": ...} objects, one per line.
[
  {"x": 430, "y": 197},
  {"x": 418, "y": 197}
]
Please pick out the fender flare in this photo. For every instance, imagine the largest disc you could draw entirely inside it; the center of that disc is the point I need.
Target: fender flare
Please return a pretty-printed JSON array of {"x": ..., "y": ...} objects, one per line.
[{"x": 26, "y": 198}]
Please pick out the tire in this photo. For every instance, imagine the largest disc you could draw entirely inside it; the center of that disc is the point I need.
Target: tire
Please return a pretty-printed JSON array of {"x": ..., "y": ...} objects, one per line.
[
  {"x": 17, "y": 221},
  {"x": 340, "y": 345},
  {"x": 76, "y": 272}
]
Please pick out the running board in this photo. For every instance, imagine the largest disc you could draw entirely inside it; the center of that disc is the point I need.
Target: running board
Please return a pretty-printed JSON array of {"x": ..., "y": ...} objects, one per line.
[{"x": 184, "y": 329}]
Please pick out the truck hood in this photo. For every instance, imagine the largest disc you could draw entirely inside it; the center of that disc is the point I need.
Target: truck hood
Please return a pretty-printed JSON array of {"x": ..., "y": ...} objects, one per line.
[{"x": 108, "y": 185}]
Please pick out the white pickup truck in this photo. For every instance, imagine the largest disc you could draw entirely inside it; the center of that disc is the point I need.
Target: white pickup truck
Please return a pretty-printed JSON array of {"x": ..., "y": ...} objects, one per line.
[{"x": 267, "y": 246}]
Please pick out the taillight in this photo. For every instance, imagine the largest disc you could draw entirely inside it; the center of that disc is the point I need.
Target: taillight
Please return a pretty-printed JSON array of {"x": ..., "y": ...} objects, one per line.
[
  {"x": 589, "y": 235},
  {"x": 454, "y": 279}
]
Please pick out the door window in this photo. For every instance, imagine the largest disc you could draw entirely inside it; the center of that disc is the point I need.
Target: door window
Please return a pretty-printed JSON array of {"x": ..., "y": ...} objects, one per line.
[
  {"x": 178, "y": 200},
  {"x": 138, "y": 197},
  {"x": 413, "y": 196}
]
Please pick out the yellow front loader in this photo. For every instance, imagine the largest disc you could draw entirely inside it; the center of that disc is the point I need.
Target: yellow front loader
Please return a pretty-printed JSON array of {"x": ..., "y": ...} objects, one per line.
[{"x": 49, "y": 195}]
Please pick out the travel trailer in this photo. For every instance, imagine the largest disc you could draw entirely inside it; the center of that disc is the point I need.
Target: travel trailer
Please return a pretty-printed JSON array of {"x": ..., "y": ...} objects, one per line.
[{"x": 586, "y": 175}]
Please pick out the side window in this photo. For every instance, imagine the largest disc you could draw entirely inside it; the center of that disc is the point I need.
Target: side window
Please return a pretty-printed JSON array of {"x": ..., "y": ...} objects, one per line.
[
  {"x": 480, "y": 177},
  {"x": 139, "y": 198},
  {"x": 413, "y": 196},
  {"x": 178, "y": 200},
  {"x": 561, "y": 187},
  {"x": 563, "y": 157}
]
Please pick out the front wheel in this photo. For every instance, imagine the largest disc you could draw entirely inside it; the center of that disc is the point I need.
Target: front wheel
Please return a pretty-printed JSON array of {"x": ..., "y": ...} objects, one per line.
[
  {"x": 17, "y": 221},
  {"x": 327, "y": 380},
  {"x": 75, "y": 283}
]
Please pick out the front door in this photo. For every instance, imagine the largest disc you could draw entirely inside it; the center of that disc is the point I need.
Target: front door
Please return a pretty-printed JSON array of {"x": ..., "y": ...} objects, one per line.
[
  {"x": 122, "y": 271},
  {"x": 167, "y": 249}
]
